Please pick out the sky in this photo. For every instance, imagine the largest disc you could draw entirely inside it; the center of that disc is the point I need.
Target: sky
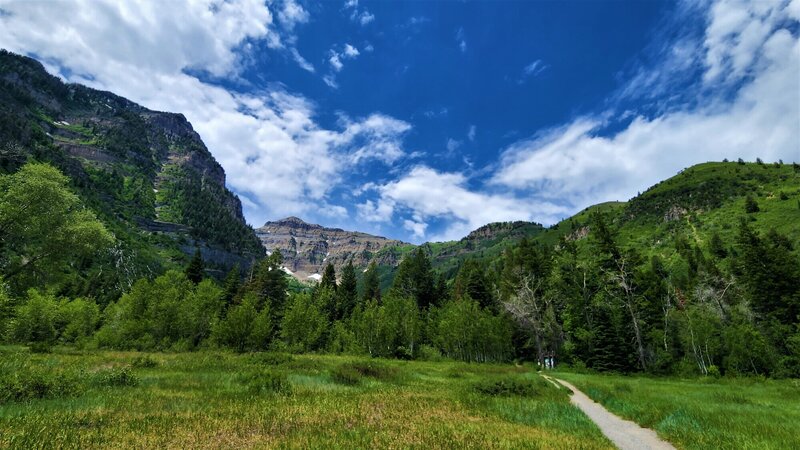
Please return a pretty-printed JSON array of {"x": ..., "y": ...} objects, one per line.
[{"x": 424, "y": 120}]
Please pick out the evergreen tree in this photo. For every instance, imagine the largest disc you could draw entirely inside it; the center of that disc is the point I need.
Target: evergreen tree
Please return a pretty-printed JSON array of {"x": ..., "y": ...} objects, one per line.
[
  {"x": 232, "y": 284},
  {"x": 195, "y": 271},
  {"x": 750, "y": 205},
  {"x": 372, "y": 284},
  {"x": 347, "y": 294},
  {"x": 717, "y": 247},
  {"x": 415, "y": 279},
  {"x": 270, "y": 283},
  {"x": 471, "y": 282},
  {"x": 328, "y": 280}
]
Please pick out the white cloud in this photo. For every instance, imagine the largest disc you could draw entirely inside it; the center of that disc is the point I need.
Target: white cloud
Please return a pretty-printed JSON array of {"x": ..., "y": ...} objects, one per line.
[
  {"x": 452, "y": 145},
  {"x": 350, "y": 51},
  {"x": 336, "y": 62},
  {"x": 366, "y": 17},
  {"x": 335, "y": 59},
  {"x": 762, "y": 119},
  {"x": 292, "y": 14},
  {"x": 533, "y": 69},
  {"x": 274, "y": 152},
  {"x": 471, "y": 132},
  {"x": 356, "y": 15},
  {"x": 417, "y": 229},
  {"x": 380, "y": 211},
  {"x": 461, "y": 40},
  {"x": 430, "y": 194},
  {"x": 302, "y": 62}
]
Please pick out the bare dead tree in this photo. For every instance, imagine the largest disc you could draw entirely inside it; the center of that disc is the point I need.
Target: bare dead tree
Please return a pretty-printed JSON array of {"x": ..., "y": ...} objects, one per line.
[
  {"x": 623, "y": 277},
  {"x": 528, "y": 307}
]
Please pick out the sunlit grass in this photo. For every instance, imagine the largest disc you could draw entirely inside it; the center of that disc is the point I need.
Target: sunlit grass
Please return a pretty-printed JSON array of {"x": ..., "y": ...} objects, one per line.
[
  {"x": 207, "y": 399},
  {"x": 703, "y": 413}
]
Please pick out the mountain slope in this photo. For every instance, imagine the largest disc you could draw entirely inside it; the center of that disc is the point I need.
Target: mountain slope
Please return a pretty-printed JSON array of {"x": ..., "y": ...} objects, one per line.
[
  {"x": 147, "y": 174},
  {"x": 307, "y": 248}
]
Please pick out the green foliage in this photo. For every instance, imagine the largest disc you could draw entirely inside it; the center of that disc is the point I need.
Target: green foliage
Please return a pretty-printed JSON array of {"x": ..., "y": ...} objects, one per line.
[
  {"x": 347, "y": 292},
  {"x": 35, "y": 319},
  {"x": 161, "y": 313},
  {"x": 43, "y": 226},
  {"x": 236, "y": 329},
  {"x": 115, "y": 377},
  {"x": 304, "y": 324},
  {"x": 415, "y": 279},
  {"x": 195, "y": 271},
  {"x": 266, "y": 381},
  {"x": 465, "y": 331},
  {"x": 510, "y": 386}
]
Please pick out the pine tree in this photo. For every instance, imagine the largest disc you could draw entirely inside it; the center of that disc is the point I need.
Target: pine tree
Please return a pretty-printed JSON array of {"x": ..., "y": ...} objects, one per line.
[
  {"x": 328, "y": 278},
  {"x": 347, "y": 294},
  {"x": 750, "y": 205},
  {"x": 717, "y": 247},
  {"x": 415, "y": 279},
  {"x": 232, "y": 284},
  {"x": 195, "y": 271},
  {"x": 372, "y": 284}
]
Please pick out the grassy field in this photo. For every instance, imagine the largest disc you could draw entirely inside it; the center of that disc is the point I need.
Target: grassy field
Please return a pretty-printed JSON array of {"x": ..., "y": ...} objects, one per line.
[
  {"x": 73, "y": 399},
  {"x": 703, "y": 413}
]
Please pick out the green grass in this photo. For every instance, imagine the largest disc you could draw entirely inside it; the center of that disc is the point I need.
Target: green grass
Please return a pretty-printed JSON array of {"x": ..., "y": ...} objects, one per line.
[
  {"x": 703, "y": 413},
  {"x": 217, "y": 399}
]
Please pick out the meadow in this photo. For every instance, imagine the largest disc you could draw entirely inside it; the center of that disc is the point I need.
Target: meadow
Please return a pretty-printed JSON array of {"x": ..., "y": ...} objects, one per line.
[
  {"x": 70, "y": 399},
  {"x": 703, "y": 413}
]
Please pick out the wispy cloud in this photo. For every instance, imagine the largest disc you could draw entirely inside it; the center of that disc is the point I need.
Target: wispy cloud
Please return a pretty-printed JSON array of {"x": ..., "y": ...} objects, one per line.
[
  {"x": 358, "y": 15},
  {"x": 471, "y": 132},
  {"x": 532, "y": 70},
  {"x": 461, "y": 40}
]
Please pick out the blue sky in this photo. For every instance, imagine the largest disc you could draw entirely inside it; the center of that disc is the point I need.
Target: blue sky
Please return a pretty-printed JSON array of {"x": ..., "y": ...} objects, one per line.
[{"x": 424, "y": 120}]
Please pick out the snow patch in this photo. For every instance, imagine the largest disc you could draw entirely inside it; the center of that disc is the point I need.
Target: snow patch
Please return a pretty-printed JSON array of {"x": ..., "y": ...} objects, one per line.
[
  {"x": 315, "y": 277},
  {"x": 287, "y": 270}
]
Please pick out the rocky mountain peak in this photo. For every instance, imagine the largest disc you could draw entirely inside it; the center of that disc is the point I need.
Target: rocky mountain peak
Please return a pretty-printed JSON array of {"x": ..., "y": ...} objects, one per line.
[{"x": 308, "y": 248}]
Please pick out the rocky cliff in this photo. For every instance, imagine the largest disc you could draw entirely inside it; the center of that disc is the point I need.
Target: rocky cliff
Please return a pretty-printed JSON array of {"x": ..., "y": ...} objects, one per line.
[
  {"x": 146, "y": 173},
  {"x": 307, "y": 248}
]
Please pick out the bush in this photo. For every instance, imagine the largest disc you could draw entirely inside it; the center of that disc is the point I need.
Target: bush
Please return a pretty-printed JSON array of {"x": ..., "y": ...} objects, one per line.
[
  {"x": 428, "y": 353},
  {"x": 29, "y": 383},
  {"x": 271, "y": 358},
  {"x": 117, "y": 376},
  {"x": 40, "y": 347},
  {"x": 374, "y": 369},
  {"x": 508, "y": 387},
  {"x": 346, "y": 374},
  {"x": 267, "y": 382},
  {"x": 144, "y": 362}
]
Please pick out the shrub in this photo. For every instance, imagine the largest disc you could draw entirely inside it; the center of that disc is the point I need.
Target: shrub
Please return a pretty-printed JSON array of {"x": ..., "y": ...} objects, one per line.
[
  {"x": 144, "y": 362},
  {"x": 117, "y": 376},
  {"x": 374, "y": 369},
  {"x": 30, "y": 383},
  {"x": 508, "y": 387},
  {"x": 346, "y": 374},
  {"x": 271, "y": 358},
  {"x": 40, "y": 347},
  {"x": 267, "y": 381}
]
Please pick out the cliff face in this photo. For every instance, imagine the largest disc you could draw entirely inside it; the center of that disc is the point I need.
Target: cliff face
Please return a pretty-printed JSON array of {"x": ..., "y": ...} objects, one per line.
[
  {"x": 308, "y": 248},
  {"x": 142, "y": 171}
]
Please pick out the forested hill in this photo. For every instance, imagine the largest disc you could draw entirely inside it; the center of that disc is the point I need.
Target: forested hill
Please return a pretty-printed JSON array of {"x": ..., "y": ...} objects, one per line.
[{"x": 146, "y": 174}]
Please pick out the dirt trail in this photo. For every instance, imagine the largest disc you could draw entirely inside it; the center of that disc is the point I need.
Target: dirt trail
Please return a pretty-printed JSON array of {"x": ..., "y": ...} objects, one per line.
[{"x": 625, "y": 434}]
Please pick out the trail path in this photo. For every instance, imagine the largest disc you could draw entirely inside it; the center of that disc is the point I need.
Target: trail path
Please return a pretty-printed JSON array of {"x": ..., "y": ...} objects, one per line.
[{"x": 625, "y": 434}]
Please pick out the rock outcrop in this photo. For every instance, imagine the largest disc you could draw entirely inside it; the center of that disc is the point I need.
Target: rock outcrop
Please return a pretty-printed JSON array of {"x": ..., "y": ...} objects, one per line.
[{"x": 307, "y": 248}]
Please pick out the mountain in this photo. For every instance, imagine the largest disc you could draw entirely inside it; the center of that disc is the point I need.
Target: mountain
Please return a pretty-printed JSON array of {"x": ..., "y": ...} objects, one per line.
[
  {"x": 696, "y": 203},
  {"x": 147, "y": 174},
  {"x": 307, "y": 248}
]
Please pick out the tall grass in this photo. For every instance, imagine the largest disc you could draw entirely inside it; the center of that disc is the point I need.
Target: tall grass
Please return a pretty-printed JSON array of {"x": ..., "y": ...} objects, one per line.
[
  {"x": 211, "y": 399},
  {"x": 704, "y": 413}
]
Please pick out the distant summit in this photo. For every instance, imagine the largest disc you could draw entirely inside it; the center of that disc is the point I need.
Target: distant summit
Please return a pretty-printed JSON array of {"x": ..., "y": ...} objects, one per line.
[{"x": 307, "y": 248}]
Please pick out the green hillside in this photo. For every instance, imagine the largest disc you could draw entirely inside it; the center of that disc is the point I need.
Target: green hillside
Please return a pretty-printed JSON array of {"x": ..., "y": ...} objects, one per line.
[{"x": 146, "y": 174}]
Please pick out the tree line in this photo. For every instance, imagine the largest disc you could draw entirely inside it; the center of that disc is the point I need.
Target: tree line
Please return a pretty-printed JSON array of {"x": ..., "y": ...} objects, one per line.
[{"x": 710, "y": 307}]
